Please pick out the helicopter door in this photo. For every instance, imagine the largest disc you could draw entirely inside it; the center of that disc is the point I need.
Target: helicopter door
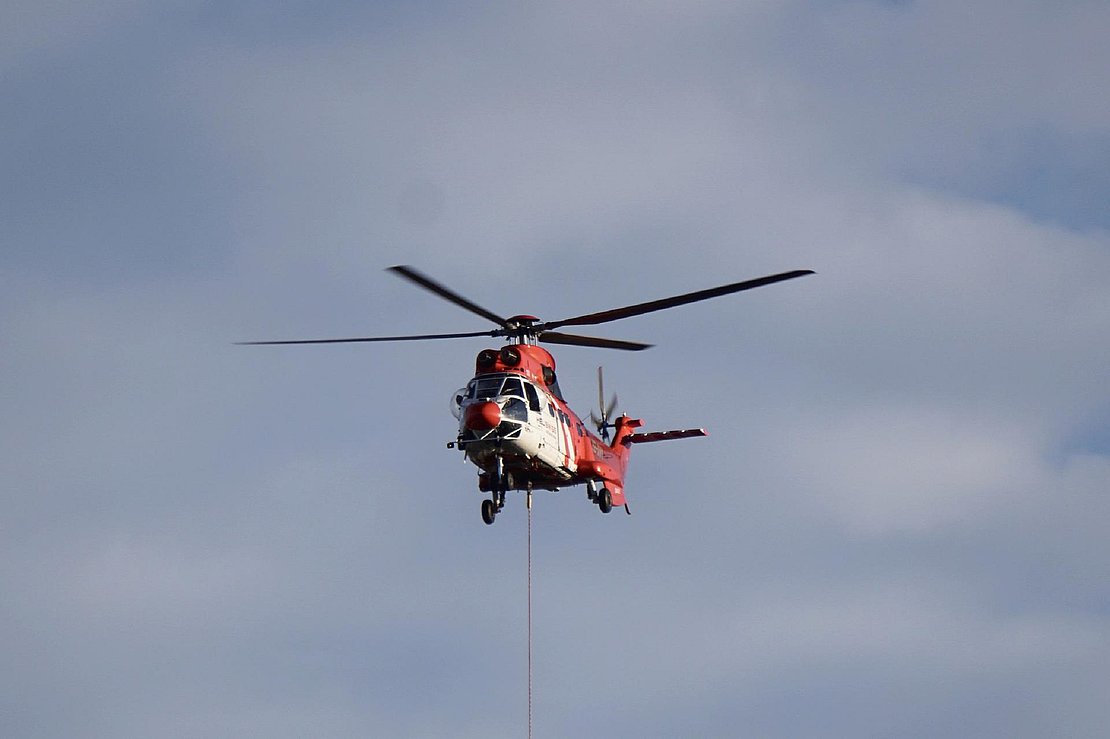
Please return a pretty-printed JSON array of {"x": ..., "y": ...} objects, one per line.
[
  {"x": 555, "y": 444},
  {"x": 564, "y": 432}
]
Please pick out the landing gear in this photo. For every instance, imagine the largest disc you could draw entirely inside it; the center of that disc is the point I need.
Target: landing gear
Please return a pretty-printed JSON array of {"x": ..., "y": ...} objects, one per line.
[
  {"x": 493, "y": 505},
  {"x": 604, "y": 500},
  {"x": 489, "y": 511},
  {"x": 499, "y": 484}
]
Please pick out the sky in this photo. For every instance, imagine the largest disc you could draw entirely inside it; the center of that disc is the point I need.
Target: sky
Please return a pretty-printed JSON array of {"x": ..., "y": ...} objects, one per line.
[{"x": 896, "y": 526}]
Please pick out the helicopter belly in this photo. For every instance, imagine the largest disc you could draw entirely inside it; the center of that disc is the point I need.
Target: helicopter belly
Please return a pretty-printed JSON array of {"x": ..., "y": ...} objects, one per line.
[
  {"x": 527, "y": 444},
  {"x": 533, "y": 455}
]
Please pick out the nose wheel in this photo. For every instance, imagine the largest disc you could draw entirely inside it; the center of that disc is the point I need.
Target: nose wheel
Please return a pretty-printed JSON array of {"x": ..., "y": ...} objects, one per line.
[
  {"x": 496, "y": 501},
  {"x": 489, "y": 511},
  {"x": 492, "y": 506}
]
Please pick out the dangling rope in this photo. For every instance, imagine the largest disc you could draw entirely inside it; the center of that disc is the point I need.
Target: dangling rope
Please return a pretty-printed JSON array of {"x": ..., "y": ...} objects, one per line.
[{"x": 529, "y": 614}]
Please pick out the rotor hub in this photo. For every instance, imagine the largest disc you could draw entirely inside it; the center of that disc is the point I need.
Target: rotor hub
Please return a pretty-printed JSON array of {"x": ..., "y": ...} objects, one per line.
[{"x": 521, "y": 328}]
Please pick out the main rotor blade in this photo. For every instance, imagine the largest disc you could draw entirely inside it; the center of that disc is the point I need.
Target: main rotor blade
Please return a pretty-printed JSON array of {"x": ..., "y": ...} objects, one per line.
[
  {"x": 639, "y": 309},
  {"x": 411, "y": 274},
  {"x": 421, "y": 337},
  {"x": 554, "y": 337}
]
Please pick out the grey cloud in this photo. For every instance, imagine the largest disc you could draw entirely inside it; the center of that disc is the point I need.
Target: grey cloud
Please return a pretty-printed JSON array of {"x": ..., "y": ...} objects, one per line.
[{"x": 893, "y": 523}]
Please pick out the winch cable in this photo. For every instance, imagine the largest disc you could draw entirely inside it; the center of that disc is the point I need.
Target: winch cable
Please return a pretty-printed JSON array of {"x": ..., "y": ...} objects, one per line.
[{"x": 529, "y": 614}]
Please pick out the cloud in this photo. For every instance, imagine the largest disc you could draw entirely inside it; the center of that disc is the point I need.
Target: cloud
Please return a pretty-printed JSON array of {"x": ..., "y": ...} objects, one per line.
[{"x": 895, "y": 520}]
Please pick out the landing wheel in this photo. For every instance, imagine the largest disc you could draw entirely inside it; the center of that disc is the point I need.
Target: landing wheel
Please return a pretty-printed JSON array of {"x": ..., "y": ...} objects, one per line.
[
  {"x": 489, "y": 511},
  {"x": 604, "y": 500}
]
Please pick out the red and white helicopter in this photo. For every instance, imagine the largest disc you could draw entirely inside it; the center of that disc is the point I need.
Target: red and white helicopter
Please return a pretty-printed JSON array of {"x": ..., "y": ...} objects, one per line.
[{"x": 514, "y": 424}]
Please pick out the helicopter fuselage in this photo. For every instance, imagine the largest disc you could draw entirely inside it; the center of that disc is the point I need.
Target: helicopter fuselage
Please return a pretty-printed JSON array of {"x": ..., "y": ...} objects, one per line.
[{"x": 515, "y": 426}]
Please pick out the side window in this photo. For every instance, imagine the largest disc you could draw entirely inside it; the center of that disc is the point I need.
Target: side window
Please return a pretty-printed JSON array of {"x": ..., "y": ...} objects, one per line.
[
  {"x": 533, "y": 397},
  {"x": 551, "y": 410}
]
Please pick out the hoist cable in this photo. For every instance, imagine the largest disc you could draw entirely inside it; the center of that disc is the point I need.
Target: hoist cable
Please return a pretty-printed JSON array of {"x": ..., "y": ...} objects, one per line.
[{"x": 529, "y": 614}]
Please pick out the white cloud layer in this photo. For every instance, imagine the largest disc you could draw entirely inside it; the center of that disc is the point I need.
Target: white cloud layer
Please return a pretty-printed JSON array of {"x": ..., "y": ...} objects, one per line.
[{"x": 895, "y": 526}]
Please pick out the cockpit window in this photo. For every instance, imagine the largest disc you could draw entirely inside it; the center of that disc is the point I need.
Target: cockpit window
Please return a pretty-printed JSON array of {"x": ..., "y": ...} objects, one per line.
[
  {"x": 514, "y": 410},
  {"x": 485, "y": 388}
]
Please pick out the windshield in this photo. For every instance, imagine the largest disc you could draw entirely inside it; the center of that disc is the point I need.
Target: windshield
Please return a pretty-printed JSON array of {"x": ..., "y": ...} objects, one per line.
[
  {"x": 511, "y": 386},
  {"x": 484, "y": 388}
]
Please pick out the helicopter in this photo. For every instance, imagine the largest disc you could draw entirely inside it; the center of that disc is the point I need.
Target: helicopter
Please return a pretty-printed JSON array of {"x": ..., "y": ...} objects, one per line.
[{"x": 515, "y": 425}]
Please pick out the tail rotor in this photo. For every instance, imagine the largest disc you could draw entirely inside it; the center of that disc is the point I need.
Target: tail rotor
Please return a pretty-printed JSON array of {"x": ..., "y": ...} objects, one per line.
[{"x": 603, "y": 424}]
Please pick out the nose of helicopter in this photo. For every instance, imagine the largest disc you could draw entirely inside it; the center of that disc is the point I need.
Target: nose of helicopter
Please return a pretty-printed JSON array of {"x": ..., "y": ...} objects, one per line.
[{"x": 483, "y": 416}]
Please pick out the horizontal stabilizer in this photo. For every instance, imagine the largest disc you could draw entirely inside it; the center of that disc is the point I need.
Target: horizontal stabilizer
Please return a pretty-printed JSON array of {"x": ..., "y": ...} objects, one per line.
[{"x": 663, "y": 436}]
